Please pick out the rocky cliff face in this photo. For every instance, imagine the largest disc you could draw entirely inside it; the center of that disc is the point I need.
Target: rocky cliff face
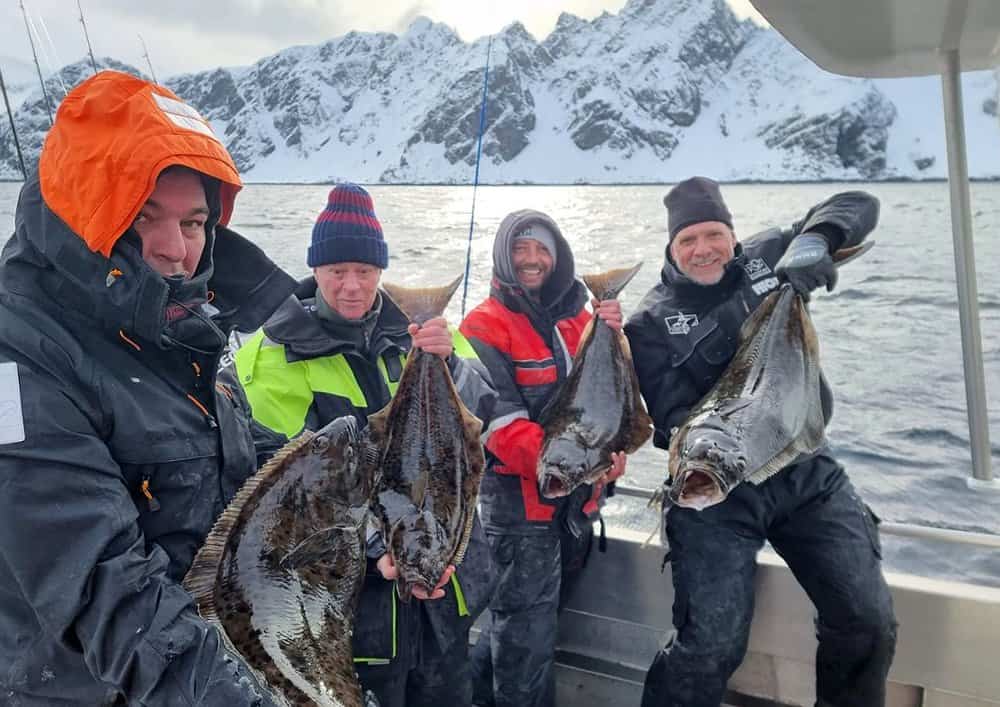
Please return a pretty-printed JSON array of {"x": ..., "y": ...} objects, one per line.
[{"x": 658, "y": 91}]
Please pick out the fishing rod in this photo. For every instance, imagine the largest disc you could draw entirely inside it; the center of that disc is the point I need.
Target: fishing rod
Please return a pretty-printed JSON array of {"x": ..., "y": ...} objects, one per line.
[
  {"x": 475, "y": 182},
  {"x": 13, "y": 130},
  {"x": 34, "y": 54},
  {"x": 86, "y": 35},
  {"x": 145, "y": 54}
]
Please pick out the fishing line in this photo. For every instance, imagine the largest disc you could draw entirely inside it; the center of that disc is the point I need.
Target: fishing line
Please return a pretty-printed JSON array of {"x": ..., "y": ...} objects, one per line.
[
  {"x": 55, "y": 52},
  {"x": 50, "y": 63},
  {"x": 34, "y": 55},
  {"x": 475, "y": 182},
  {"x": 37, "y": 36}
]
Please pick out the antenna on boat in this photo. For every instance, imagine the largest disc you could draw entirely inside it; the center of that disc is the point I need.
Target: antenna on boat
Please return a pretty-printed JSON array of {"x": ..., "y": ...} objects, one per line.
[
  {"x": 34, "y": 54},
  {"x": 145, "y": 55},
  {"x": 13, "y": 130},
  {"x": 475, "y": 183},
  {"x": 86, "y": 35}
]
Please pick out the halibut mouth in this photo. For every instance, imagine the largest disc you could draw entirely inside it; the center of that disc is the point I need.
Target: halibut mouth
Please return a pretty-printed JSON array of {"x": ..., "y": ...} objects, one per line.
[
  {"x": 554, "y": 485},
  {"x": 698, "y": 487}
]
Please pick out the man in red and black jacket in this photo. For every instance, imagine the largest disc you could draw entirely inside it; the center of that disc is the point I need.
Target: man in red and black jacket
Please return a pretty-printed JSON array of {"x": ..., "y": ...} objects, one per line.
[{"x": 526, "y": 333}]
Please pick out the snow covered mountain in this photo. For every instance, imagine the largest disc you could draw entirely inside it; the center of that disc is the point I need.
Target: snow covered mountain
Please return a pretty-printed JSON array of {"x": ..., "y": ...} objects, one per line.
[
  {"x": 19, "y": 78},
  {"x": 659, "y": 91}
]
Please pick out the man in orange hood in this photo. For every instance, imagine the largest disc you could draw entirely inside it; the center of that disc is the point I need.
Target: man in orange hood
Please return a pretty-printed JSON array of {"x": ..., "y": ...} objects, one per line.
[{"x": 118, "y": 447}]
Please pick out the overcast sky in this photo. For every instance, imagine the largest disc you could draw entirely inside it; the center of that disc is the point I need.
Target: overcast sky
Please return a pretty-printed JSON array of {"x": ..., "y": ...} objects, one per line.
[{"x": 189, "y": 35}]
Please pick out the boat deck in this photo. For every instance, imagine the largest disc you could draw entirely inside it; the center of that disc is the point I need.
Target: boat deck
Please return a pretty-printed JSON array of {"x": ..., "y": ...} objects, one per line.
[{"x": 619, "y": 616}]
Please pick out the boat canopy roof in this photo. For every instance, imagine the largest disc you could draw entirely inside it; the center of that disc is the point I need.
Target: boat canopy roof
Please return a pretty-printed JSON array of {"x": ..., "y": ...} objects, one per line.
[{"x": 888, "y": 38}]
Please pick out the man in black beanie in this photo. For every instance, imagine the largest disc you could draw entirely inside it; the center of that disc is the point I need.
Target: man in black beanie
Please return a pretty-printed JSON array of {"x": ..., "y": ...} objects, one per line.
[{"x": 683, "y": 336}]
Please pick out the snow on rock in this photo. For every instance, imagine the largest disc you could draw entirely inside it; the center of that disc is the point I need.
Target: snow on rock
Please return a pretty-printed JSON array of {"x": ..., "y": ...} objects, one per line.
[{"x": 657, "y": 92}]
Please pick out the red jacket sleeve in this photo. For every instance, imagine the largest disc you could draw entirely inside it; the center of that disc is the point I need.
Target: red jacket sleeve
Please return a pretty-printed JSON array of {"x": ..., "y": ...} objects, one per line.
[{"x": 518, "y": 445}]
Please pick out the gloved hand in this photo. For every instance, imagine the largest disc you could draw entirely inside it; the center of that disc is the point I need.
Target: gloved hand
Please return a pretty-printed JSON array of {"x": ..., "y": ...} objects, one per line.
[{"x": 807, "y": 264}]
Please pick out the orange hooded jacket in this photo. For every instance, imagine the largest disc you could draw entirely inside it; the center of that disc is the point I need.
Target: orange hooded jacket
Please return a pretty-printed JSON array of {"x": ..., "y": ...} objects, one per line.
[{"x": 113, "y": 135}]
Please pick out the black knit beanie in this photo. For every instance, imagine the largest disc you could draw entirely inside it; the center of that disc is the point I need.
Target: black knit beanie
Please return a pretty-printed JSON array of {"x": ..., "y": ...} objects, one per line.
[{"x": 692, "y": 201}]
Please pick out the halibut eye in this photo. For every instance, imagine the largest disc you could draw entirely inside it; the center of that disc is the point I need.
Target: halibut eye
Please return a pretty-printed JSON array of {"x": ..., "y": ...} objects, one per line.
[{"x": 320, "y": 444}]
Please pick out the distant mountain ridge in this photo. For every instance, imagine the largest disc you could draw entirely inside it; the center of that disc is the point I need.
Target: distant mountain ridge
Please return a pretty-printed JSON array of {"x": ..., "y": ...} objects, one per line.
[{"x": 661, "y": 90}]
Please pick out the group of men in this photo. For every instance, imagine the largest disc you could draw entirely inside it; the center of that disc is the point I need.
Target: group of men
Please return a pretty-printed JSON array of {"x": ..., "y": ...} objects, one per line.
[{"x": 122, "y": 438}]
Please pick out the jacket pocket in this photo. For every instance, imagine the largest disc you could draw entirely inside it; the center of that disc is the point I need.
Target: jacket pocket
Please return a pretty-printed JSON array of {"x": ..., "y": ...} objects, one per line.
[
  {"x": 705, "y": 353},
  {"x": 717, "y": 348}
]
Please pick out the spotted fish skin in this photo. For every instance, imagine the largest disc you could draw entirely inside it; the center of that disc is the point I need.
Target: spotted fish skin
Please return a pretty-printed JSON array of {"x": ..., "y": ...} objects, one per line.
[
  {"x": 763, "y": 413},
  {"x": 598, "y": 410},
  {"x": 281, "y": 572},
  {"x": 430, "y": 458}
]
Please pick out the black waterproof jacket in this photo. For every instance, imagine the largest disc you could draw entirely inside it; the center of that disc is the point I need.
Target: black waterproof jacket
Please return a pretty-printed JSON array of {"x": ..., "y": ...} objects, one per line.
[
  {"x": 683, "y": 335},
  {"x": 266, "y": 365},
  {"x": 130, "y": 451}
]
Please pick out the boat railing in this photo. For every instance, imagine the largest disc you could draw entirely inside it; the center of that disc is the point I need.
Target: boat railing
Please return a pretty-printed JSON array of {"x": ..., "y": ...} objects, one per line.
[
  {"x": 619, "y": 614},
  {"x": 909, "y": 530}
]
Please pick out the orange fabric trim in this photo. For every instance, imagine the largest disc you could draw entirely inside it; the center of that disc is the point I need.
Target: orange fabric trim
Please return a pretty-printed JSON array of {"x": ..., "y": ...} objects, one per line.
[
  {"x": 129, "y": 341},
  {"x": 110, "y": 141},
  {"x": 198, "y": 404}
]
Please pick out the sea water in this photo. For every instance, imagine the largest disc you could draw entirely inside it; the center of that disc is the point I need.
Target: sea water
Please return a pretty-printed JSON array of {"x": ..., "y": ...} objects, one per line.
[{"x": 889, "y": 333}]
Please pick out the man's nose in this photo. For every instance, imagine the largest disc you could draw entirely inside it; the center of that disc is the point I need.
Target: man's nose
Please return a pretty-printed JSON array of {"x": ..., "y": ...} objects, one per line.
[
  {"x": 168, "y": 243},
  {"x": 701, "y": 246}
]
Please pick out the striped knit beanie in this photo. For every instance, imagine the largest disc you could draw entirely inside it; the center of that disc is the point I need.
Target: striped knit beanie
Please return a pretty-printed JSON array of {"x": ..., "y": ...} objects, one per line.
[{"x": 347, "y": 230}]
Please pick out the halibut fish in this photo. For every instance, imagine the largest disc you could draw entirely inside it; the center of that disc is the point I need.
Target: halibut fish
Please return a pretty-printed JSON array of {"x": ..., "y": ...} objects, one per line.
[
  {"x": 598, "y": 410},
  {"x": 281, "y": 572},
  {"x": 764, "y": 411},
  {"x": 429, "y": 456}
]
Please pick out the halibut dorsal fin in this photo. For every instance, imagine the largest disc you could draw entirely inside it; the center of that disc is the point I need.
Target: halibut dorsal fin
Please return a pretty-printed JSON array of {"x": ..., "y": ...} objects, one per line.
[
  {"x": 768, "y": 470},
  {"x": 420, "y": 304},
  {"x": 201, "y": 577},
  {"x": 609, "y": 284},
  {"x": 463, "y": 543},
  {"x": 846, "y": 255},
  {"x": 642, "y": 424}
]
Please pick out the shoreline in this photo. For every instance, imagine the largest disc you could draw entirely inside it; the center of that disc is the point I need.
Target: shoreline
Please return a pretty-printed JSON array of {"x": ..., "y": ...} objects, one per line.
[{"x": 762, "y": 182}]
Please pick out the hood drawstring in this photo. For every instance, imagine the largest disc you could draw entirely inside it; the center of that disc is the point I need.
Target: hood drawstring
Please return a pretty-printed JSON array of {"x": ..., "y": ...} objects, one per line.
[{"x": 173, "y": 342}]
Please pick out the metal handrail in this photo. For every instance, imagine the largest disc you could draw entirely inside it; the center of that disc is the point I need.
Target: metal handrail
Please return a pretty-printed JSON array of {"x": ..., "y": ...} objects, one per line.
[{"x": 909, "y": 530}]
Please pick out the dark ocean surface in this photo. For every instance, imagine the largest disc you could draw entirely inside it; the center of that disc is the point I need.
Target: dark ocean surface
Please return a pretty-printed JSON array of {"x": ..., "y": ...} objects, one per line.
[{"x": 889, "y": 333}]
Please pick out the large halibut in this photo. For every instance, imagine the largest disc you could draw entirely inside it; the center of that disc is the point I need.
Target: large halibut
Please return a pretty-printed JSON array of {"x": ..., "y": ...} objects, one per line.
[
  {"x": 761, "y": 414},
  {"x": 765, "y": 410},
  {"x": 281, "y": 572},
  {"x": 430, "y": 458},
  {"x": 598, "y": 410}
]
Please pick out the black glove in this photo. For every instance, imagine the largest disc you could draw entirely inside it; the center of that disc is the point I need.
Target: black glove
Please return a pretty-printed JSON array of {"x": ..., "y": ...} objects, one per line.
[{"x": 807, "y": 264}]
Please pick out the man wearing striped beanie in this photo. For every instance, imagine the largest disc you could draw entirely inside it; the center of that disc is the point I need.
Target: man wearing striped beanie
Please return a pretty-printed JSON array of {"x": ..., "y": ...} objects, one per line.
[{"x": 337, "y": 348}]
